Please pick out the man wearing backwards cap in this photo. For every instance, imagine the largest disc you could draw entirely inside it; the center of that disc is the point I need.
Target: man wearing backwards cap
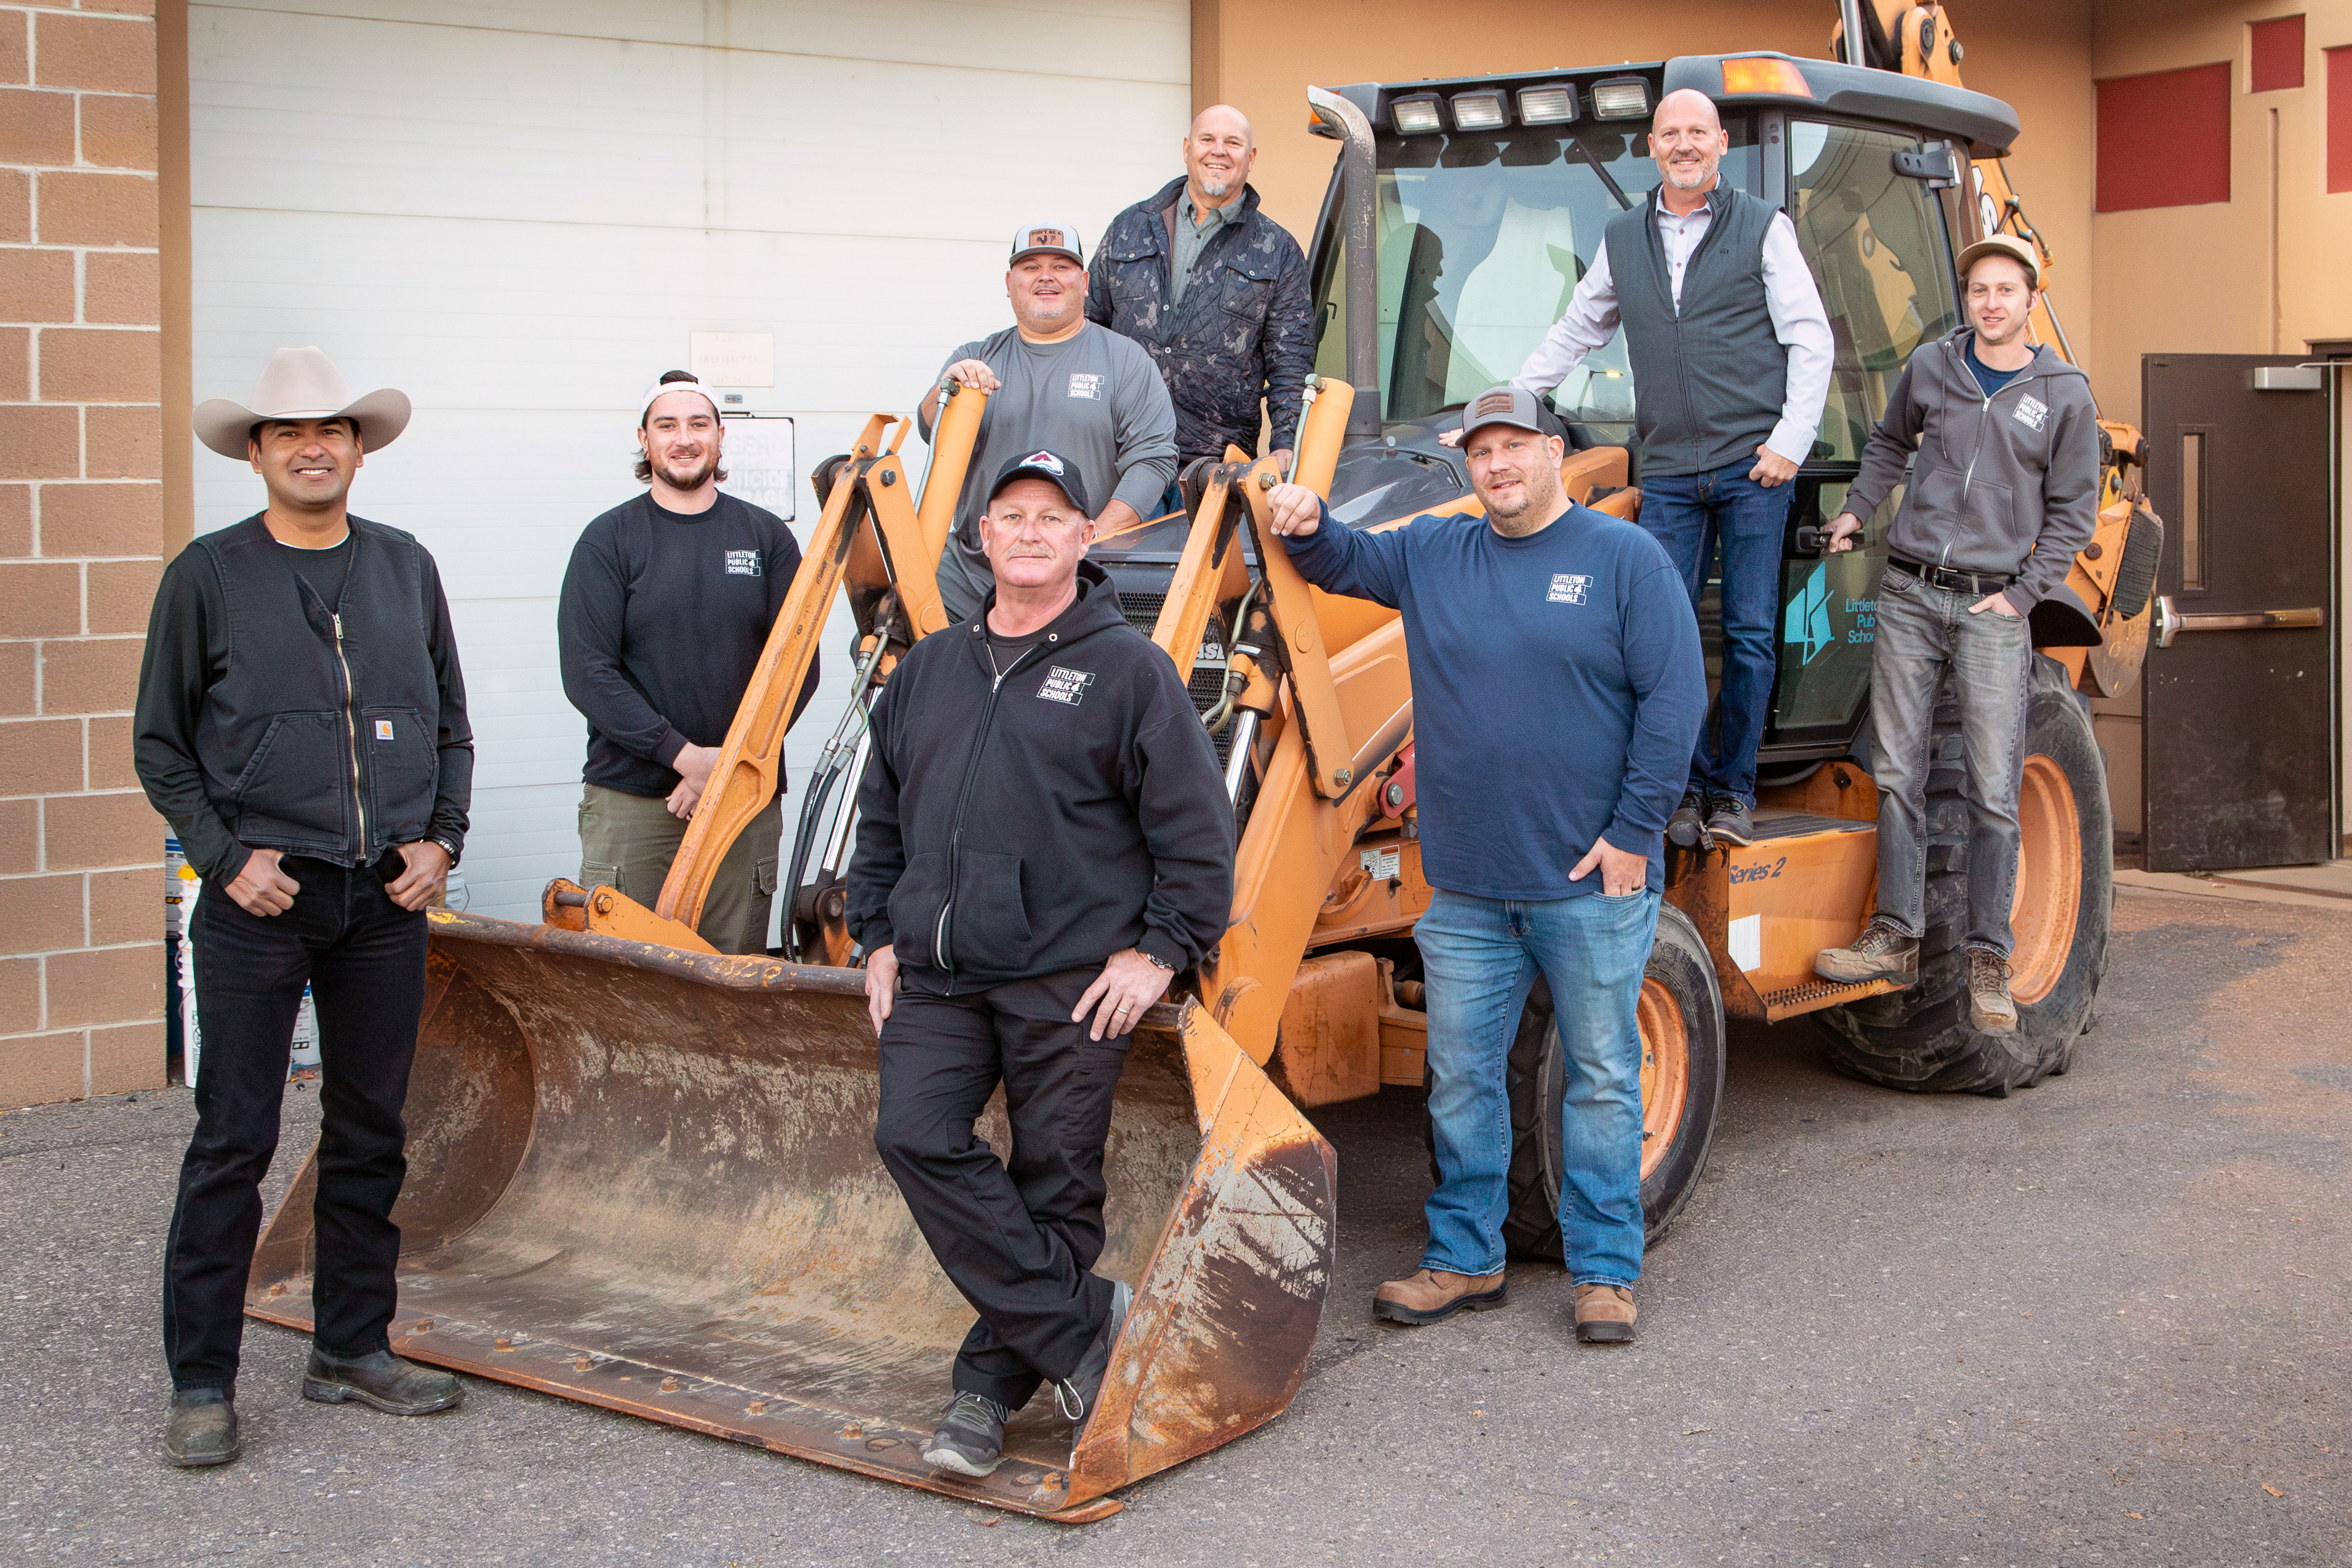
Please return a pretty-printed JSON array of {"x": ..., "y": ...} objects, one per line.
[
  {"x": 301, "y": 724},
  {"x": 1055, "y": 381},
  {"x": 1043, "y": 841},
  {"x": 666, "y": 604},
  {"x": 1554, "y": 644},
  {"x": 2003, "y": 491}
]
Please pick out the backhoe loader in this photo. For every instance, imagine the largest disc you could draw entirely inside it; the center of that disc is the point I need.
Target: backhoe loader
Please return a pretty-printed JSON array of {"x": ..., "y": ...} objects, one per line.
[{"x": 642, "y": 1174}]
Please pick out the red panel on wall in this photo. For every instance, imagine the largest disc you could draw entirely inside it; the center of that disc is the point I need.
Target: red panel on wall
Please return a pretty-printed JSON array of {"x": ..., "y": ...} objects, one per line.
[
  {"x": 2164, "y": 139},
  {"x": 2277, "y": 49},
  {"x": 2339, "y": 119}
]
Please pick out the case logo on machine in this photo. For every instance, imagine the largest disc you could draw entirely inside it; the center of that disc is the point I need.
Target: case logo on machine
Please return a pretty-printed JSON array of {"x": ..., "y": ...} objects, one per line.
[
  {"x": 1568, "y": 588},
  {"x": 1065, "y": 686},
  {"x": 743, "y": 564}
]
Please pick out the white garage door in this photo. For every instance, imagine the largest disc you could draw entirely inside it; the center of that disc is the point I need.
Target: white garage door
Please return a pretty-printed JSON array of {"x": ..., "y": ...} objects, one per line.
[{"x": 516, "y": 211}]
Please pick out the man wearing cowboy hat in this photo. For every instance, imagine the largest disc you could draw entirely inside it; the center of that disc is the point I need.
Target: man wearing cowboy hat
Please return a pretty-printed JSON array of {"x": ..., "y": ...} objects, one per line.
[{"x": 301, "y": 724}]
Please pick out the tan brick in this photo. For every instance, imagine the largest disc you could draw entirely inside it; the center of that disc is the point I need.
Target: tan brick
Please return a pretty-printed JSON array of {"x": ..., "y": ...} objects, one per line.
[
  {"x": 20, "y": 997},
  {"x": 20, "y": 680},
  {"x": 121, "y": 286},
  {"x": 101, "y": 520},
  {"x": 93, "y": 830},
  {"x": 90, "y": 675},
  {"x": 125, "y": 906},
  {"x": 40, "y": 756},
  {"x": 85, "y": 364},
  {"x": 36, "y": 127},
  {"x": 107, "y": 985},
  {"x": 129, "y": 1057},
  {"x": 102, "y": 54},
  {"x": 41, "y": 914},
  {"x": 124, "y": 442},
  {"x": 120, "y": 592},
  {"x": 16, "y": 196},
  {"x": 96, "y": 209},
  {"x": 15, "y": 51},
  {"x": 36, "y": 286},
  {"x": 40, "y": 1069},
  {"x": 41, "y": 599},
  {"x": 39, "y": 443},
  {"x": 118, "y": 132},
  {"x": 16, "y": 364},
  {"x": 122, "y": 8},
  {"x": 15, "y": 521},
  {"x": 20, "y": 836},
  {"x": 108, "y": 753}
]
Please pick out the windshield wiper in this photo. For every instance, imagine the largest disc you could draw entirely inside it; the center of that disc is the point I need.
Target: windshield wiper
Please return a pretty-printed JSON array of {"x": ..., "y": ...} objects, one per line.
[{"x": 1623, "y": 201}]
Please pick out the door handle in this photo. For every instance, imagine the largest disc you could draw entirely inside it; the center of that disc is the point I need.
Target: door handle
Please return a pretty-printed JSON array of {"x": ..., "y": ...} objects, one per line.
[{"x": 2170, "y": 623}]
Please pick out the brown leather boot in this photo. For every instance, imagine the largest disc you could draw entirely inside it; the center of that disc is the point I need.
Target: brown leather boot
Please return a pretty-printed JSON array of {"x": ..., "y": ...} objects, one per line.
[
  {"x": 1432, "y": 1295},
  {"x": 1605, "y": 1315}
]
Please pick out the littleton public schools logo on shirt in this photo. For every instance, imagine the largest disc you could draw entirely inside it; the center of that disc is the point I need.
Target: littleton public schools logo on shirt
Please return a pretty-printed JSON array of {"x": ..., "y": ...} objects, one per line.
[
  {"x": 2032, "y": 411},
  {"x": 743, "y": 564},
  {"x": 1084, "y": 385},
  {"x": 1065, "y": 686},
  {"x": 1568, "y": 588}
]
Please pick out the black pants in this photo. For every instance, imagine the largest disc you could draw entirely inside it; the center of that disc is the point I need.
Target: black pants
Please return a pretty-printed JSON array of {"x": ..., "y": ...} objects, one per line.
[
  {"x": 365, "y": 958},
  {"x": 1016, "y": 1236}
]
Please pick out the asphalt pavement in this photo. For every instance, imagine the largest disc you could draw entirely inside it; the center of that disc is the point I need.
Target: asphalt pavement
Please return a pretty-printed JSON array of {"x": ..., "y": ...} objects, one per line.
[{"x": 2102, "y": 1321}]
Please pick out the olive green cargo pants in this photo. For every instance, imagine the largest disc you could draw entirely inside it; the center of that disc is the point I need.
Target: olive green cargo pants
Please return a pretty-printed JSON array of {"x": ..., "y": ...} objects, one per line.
[{"x": 627, "y": 842}]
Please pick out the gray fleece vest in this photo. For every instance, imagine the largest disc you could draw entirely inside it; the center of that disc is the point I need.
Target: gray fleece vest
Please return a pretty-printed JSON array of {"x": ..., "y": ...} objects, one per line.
[{"x": 1708, "y": 380}]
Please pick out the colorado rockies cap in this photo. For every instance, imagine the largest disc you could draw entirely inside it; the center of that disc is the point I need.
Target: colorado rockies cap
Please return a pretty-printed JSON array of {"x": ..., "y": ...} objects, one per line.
[
  {"x": 1059, "y": 238},
  {"x": 1050, "y": 466},
  {"x": 1507, "y": 405}
]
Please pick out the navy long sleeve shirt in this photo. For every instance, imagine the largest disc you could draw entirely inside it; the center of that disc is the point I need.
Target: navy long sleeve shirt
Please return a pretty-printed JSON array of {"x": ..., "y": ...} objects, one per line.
[{"x": 1558, "y": 690}]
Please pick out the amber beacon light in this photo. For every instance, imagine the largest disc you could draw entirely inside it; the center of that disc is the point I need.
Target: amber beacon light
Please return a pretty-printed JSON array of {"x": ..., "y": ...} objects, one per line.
[{"x": 1781, "y": 79}]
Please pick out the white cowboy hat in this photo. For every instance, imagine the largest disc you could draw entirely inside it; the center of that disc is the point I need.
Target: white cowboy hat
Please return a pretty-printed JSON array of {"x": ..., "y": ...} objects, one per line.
[{"x": 301, "y": 383}]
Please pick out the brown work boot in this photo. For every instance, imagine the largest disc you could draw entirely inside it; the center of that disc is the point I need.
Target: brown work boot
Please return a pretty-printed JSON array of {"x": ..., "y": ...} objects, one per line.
[
  {"x": 1992, "y": 1009},
  {"x": 1880, "y": 952},
  {"x": 1605, "y": 1315},
  {"x": 1432, "y": 1295}
]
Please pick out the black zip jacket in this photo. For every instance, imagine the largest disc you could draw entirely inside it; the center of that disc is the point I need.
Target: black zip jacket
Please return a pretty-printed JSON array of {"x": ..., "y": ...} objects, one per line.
[
  {"x": 1245, "y": 329},
  {"x": 1018, "y": 827}
]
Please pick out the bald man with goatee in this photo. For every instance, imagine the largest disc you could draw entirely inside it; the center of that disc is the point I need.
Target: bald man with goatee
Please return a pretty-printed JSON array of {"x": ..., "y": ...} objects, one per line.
[{"x": 1215, "y": 291}]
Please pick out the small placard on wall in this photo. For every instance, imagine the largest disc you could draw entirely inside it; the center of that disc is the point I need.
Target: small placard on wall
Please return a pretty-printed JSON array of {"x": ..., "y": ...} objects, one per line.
[
  {"x": 757, "y": 457},
  {"x": 732, "y": 359}
]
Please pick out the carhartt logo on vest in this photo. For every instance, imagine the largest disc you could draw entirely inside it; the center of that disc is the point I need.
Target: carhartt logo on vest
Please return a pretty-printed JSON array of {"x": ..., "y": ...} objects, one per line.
[
  {"x": 383, "y": 729},
  {"x": 1065, "y": 686}
]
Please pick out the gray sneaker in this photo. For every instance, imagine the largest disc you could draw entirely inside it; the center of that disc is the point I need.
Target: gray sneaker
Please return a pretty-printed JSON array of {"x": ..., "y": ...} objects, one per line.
[
  {"x": 1992, "y": 1009},
  {"x": 1880, "y": 953},
  {"x": 1075, "y": 1396},
  {"x": 1688, "y": 823},
  {"x": 971, "y": 1438},
  {"x": 1728, "y": 821}
]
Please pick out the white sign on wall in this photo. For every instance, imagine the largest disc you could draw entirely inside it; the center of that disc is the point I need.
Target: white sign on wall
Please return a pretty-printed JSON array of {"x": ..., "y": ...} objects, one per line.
[
  {"x": 759, "y": 460},
  {"x": 732, "y": 359}
]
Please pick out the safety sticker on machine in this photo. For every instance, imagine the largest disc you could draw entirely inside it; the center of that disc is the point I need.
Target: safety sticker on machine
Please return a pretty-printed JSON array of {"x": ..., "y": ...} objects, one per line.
[
  {"x": 1748, "y": 943},
  {"x": 1384, "y": 865}
]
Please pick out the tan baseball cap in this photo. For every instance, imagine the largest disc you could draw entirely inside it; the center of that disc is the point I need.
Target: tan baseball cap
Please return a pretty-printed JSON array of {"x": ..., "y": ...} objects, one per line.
[
  {"x": 2006, "y": 245},
  {"x": 1059, "y": 238}
]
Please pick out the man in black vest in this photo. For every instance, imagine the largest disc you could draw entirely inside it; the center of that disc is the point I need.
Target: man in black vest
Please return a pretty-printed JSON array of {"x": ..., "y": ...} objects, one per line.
[
  {"x": 301, "y": 724},
  {"x": 1731, "y": 354}
]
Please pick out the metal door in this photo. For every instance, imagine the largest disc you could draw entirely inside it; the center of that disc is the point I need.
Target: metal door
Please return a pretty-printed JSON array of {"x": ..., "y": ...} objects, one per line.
[{"x": 2238, "y": 717}]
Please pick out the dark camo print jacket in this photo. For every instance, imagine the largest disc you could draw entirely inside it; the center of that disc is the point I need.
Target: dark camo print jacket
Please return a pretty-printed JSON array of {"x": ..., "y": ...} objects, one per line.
[{"x": 1245, "y": 331}]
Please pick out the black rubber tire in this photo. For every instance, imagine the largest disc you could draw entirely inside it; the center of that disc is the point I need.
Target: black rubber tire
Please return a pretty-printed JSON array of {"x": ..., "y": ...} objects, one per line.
[
  {"x": 1679, "y": 963},
  {"x": 1920, "y": 1039}
]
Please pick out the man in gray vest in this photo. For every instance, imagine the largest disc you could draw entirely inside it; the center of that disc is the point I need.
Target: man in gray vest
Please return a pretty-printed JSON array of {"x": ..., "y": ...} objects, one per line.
[
  {"x": 1731, "y": 354},
  {"x": 301, "y": 724}
]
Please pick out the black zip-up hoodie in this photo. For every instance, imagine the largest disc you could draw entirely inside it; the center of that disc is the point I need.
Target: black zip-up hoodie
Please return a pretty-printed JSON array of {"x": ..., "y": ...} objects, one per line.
[
  {"x": 2006, "y": 484},
  {"x": 1018, "y": 827}
]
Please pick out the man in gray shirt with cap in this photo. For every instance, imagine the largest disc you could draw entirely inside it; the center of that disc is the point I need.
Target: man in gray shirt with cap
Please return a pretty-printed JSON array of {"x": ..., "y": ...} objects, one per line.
[{"x": 1059, "y": 382}]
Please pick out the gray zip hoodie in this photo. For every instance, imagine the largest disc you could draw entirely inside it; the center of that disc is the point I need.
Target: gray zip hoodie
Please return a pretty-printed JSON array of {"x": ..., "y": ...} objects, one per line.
[{"x": 2006, "y": 484}]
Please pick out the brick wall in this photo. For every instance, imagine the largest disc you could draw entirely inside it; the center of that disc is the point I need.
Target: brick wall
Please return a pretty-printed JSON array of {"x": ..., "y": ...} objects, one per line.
[{"x": 80, "y": 547}]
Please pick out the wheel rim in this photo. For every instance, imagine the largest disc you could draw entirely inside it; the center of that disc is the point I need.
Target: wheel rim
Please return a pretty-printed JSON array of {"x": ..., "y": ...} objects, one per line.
[
  {"x": 1665, "y": 1071},
  {"x": 2049, "y": 894}
]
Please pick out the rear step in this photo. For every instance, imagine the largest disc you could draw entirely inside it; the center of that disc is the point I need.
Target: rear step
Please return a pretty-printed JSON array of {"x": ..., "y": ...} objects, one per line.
[{"x": 1786, "y": 896}]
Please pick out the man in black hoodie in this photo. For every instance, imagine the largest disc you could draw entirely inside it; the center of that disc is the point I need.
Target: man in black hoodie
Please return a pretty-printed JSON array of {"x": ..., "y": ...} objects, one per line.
[
  {"x": 1044, "y": 842},
  {"x": 2003, "y": 491}
]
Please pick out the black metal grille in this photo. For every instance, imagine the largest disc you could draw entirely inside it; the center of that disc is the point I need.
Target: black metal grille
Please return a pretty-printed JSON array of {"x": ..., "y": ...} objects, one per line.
[{"x": 1141, "y": 610}]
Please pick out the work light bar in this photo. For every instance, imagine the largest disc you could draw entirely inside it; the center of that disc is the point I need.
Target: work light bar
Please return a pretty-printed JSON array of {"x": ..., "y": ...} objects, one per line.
[
  {"x": 1479, "y": 112},
  {"x": 1417, "y": 115},
  {"x": 1554, "y": 105},
  {"x": 1621, "y": 98}
]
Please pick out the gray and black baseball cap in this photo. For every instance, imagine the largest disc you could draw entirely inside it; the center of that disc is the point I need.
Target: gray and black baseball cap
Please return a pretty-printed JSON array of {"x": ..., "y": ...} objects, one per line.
[
  {"x": 1508, "y": 406},
  {"x": 1050, "y": 466},
  {"x": 1059, "y": 238}
]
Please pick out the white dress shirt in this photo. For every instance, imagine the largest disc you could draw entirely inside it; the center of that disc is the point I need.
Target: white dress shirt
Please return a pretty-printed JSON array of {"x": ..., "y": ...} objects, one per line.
[{"x": 1799, "y": 321}]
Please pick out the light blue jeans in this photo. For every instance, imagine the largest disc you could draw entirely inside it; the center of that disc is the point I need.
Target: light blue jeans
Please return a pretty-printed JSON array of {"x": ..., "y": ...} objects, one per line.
[{"x": 1480, "y": 957}]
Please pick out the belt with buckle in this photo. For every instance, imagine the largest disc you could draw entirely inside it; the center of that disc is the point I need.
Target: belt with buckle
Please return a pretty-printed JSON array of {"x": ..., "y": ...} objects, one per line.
[{"x": 1951, "y": 579}]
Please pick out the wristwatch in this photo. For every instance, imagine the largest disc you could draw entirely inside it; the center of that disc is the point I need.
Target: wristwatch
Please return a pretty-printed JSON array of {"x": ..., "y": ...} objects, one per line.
[{"x": 1156, "y": 960}]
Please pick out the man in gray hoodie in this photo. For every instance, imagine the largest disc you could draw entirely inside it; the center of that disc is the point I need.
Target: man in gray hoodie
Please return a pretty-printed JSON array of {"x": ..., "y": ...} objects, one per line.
[{"x": 2003, "y": 492}]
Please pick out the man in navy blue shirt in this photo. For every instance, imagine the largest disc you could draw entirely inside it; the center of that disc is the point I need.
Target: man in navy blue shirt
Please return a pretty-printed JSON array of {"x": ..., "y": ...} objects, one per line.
[{"x": 1558, "y": 688}]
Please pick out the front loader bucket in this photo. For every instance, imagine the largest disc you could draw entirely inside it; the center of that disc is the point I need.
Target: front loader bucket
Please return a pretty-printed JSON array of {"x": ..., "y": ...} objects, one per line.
[{"x": 645, "y": 1179}]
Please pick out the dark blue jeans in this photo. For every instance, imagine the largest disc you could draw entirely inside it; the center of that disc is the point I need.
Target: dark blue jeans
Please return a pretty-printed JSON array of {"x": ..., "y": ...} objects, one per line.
[{"x": 1690, "y": 514}]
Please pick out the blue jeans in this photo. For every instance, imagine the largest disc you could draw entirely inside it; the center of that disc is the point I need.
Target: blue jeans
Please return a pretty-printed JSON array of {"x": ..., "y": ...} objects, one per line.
[
  {"x": 1923, "y": 633},
  {"x": 1690, "y": 514},
  {"x": 1480, "y": 958}
]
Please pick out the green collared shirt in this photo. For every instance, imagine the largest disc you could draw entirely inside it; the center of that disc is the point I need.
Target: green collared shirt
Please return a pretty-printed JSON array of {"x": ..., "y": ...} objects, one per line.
[{"x": 1192, "y": 237}]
